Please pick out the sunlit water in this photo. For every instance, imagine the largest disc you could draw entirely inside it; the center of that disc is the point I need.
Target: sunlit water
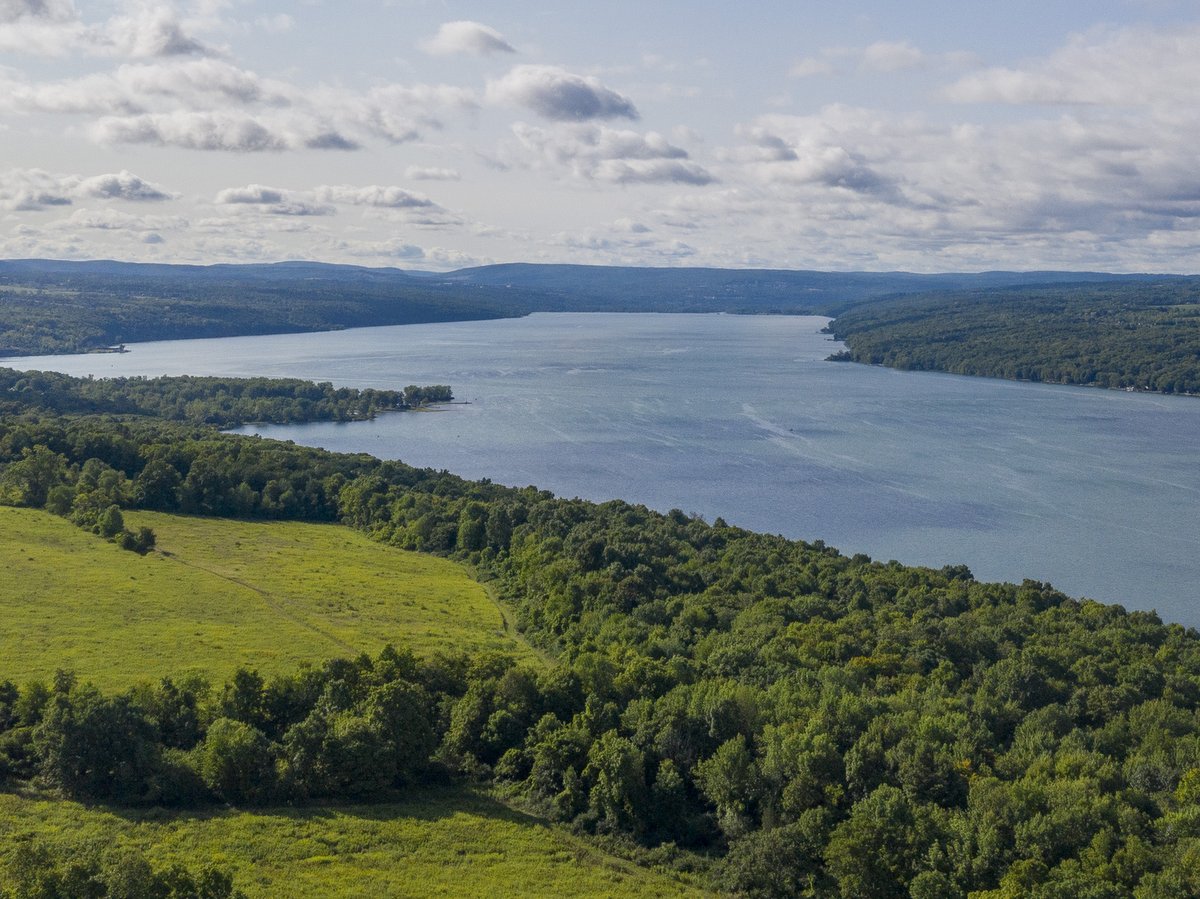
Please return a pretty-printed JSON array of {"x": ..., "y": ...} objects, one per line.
[{"x": 740, "y": 417}]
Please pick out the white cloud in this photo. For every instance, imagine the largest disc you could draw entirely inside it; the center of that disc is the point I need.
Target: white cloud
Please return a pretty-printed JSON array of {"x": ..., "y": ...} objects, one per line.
[
  {"x": 115, "y": 220},
  {"x": 272, "y": 201},
  {"x": 193, "y": 84},
  {"x": 398, "y": 112},
  {"x": 1127, "y": 67},
  {"x": 394, "y": 248},
  {"x": 799, "y": 150},
  {"x": 880, "y": 189},
  {"x": 123, "y": 185},
  {"x": 151, "y": 30},
  {"x": 29, "y": 190},
  {"x": 809, "y": 66},
  {"x": 209, "y": 104},
  {"x": 399, "y": 250},
  {"x": 46, "y": 10},
  {"x": 55, "y": 28},
  {"x": 560, "y": 95},
  {"x": 276, "y": 24},
  {"x": 614, "y": 155},
  {"x": 652, "y": 171},
  {"x": 91, "y": 95},
  {"x": 198, "y": 83},
  {"x": 618, "y": 247},
  {"x": 35, "y": 189},
  {"x": 228, "y": 131},
  {"x": 374, "y": 195},
  {"x": 431, "y": 173},
  {"x": 324, "y": 200},
  {"x": 181, "y": 99},
  {"x": 631, "y": 226},
  {"x": 892, "y": 56},
  {"x": 467, "y": 37}
]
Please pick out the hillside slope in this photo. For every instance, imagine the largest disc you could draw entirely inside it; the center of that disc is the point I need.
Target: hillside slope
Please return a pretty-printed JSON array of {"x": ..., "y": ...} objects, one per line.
[{"x": 220, "y": 594}]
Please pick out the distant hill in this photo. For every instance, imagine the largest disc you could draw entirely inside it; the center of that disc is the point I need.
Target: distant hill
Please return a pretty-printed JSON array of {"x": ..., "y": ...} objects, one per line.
[
  {"x": 1135, "y": 336},
  {"x": 622, "y": 289},
  {"x": 70, "y": 307},
  {"x": 49, "y": 306}
]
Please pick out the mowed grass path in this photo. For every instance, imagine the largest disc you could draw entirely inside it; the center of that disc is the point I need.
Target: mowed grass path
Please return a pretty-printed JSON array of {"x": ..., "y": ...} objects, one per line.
[
  {"x": 219, "y": 594},
  {"x": 448, "y": 843}
]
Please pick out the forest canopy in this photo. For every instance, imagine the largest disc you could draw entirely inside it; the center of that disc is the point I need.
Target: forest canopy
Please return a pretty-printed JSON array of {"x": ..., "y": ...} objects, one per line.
[
  {"x": 1142, "y": 336},
  {"x": 811, "y": 724}
]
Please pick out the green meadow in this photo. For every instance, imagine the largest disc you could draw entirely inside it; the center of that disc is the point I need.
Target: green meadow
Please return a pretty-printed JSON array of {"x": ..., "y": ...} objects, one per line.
[
  {"x": 218, "y": 594},
  {"x": 452, "y": 842}
]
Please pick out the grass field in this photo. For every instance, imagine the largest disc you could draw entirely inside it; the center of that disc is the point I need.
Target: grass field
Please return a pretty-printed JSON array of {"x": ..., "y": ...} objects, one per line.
[
  {"x": 218, "y": 594},
  {"x": 452, "y": 843},
  {"x": 221, "y": 594}
]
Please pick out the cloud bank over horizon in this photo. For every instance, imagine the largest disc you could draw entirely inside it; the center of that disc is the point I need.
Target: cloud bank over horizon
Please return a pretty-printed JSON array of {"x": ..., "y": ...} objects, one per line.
[{"x": 208, "y": 131}]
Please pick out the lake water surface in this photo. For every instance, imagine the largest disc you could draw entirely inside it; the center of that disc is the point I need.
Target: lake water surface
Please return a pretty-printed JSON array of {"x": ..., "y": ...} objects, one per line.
[{"x": 739, "y": 416}]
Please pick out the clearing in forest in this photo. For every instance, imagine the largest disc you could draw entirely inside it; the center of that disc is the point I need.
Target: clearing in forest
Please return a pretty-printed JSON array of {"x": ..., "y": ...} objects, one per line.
[{"x": 218, "y": 594}]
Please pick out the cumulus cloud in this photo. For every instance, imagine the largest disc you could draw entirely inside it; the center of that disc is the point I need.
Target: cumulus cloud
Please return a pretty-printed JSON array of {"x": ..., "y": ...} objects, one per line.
[
  {"x": 652, "y": 171},
  {"x": 200, "y": 82},
  {"x": 809, "y": 66},
  {"x": 391, "y": 249},
  {"x": 1098, "y": 187},
  {"x": 1127, "y": 67},
  {"x": 399, "y": 250},
  {"x": 55, "y": 28},
  {"x": 614, "y": 155},
  {"x": 192, "y": 84},
  {"x": 90, "y": 94},
  {"x": 559, "y": 95},
  {"x": 272, "y": 201},
  {"x": 431, "y": 173},
  {"x": 115, "y": 220},
  {"x": 398, "y": 112},
  {"x": 229, "y": 131},
  {"x": 374, "y": 195},
  {"x": 151, "y": 30},
  {"x": 324, "y": 199},
  {"x": 892, "y": 56},
  {"x": 184, "y": 97},
  {"x": 44, "y": 27},
  {"x": 209, "y": 104},
  {"x": 631, "y": 226},
  {"x": 467, "y": 37},
  {"x": 814, "y": 150},
  {"x": 123, "y": 185},
  {"x": 35, "y": 189},
  {"x": 276, "y": 24},
  {"x": 617, "y": 246}
]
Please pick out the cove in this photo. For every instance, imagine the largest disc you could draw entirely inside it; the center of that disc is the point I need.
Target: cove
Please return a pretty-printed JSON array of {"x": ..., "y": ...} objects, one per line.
[{"x": 1093, "y": 491}]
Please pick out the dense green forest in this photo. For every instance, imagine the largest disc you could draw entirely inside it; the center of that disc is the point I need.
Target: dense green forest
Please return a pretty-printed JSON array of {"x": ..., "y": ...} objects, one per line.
[
  {"x": 1140, "y": 336},
  {"x": 224, "y": 402},
  {"x": 34, "y": 872},
  {"x": 811, "y": 724},
  {"x": 69, "y": 307},
  {"x": 62, "y": 308}
]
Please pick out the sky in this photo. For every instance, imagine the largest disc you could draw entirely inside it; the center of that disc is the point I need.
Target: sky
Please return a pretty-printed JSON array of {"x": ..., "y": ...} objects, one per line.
[{"x": 435, "y": 134}]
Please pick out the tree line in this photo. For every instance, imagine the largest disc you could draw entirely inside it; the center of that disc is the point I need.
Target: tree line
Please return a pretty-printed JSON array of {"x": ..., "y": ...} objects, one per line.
[
  {"x": 48, "y": 308},
  {"x": 224, "y": 402},
  {"x": 816, "y": 724},
  {"x": 1137, "y": 336},
  {"x": 34, "y": 872}
]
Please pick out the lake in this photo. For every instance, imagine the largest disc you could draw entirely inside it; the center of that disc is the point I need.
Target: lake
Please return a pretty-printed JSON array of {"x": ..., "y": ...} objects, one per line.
[{"x": 740, "y": 417}]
